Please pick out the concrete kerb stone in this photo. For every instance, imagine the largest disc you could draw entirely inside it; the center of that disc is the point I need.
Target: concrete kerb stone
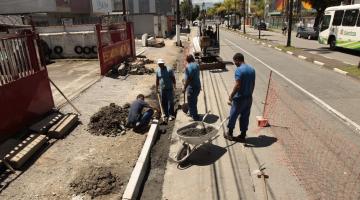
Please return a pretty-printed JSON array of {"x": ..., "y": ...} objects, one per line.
[
  {"x": 340, "y": 71},
  {"x": 302, "y": 57},
  {"x": 289, "y": 52},
  {"x": 278, "y": 49},
  {"x": 139, "y": 171},
  {"x": 319, "y": 63}
]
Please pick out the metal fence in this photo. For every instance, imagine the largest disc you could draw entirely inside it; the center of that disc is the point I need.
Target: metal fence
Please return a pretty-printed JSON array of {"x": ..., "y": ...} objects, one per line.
[
  {"x": 19, "y": 57},
  {"x": 323, "y": 152},
  {"x": 116, "y": 43}
]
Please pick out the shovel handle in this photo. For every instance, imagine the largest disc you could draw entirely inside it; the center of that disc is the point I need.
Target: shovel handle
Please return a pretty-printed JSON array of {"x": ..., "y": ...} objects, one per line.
[{"x": 223, "y": 122}]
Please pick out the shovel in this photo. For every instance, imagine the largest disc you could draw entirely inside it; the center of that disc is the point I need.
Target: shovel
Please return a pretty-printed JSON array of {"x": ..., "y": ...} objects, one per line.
[{"x": 161, "y": 108}]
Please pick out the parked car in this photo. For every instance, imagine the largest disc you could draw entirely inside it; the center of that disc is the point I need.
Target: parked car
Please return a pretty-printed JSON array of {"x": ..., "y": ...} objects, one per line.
[
  {"x": 309, "y": 33},
  {"x": 261, "y": 26}
]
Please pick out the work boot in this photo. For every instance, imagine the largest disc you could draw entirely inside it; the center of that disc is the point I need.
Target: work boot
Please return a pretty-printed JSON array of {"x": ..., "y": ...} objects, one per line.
[
  {"x": 229, "y": 135},
  {"x": 241, "y": 137}
]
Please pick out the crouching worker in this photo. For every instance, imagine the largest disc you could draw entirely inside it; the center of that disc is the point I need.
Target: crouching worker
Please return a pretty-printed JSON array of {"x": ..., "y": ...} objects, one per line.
[{"x": 137, "y": 119}]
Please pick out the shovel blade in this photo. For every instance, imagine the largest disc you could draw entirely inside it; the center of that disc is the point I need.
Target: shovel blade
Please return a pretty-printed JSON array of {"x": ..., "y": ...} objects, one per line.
[{"x": 185, "y": 108}]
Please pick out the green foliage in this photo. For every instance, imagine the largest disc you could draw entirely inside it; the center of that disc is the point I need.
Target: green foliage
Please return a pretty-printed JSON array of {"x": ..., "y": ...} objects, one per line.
[
  {"x": 258, "y": 8},
  {"x": 186, "y": 9}
]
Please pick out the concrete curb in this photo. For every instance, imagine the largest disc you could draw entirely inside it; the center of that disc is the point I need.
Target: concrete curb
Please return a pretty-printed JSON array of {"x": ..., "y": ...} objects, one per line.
[
  {"x": 319, "y": 63},
  {"x": 289, "y": 52},
  {"x": 138, "y": 173},
  {"x": 340, "y": 71},
  {"x": 302, "y": 57}
]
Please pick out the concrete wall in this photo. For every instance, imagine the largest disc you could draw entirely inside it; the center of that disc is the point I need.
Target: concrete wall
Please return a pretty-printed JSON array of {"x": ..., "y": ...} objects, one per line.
[
  {"x": 26, "y": 6},
  {"x": 68, "y": 37},
  {"x": 143, "y": 24}
]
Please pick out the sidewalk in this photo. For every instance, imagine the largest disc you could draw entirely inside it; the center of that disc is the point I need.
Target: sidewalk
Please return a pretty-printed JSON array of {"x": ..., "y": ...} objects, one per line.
[{"x": 223, "y": 169}]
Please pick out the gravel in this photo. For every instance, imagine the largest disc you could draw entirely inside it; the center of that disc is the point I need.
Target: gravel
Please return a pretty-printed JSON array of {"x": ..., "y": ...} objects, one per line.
[{"x": 196, "y": 132}]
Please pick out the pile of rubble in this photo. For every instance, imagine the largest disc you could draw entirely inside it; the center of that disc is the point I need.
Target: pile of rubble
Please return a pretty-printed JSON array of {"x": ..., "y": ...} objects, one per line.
[
  {"x": 109, "y": 121},
  {"x": 136, "y": 67}
]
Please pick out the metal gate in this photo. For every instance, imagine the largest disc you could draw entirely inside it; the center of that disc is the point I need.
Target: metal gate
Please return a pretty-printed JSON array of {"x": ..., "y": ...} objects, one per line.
[
  {"x": 24, "y": 85},
  {"x": 115, "y": 44}
]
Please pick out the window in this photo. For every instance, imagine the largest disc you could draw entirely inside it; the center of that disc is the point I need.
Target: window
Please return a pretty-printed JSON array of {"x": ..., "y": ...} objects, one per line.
[
  {"x": 326, "y": 22},
  {"x": 350, "y": 17},
  {"x": 358, "y": 23},
  {"x": 338, "y": 17}
]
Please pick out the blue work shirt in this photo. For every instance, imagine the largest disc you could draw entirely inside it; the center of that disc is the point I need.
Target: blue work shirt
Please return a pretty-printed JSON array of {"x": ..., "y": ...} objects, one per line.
[
  {"x": 135, "y": 111},
  {"x": 193, "y": 70},
  {"x": 165, "y": 76},
  {"x": 246, "y": 74}
]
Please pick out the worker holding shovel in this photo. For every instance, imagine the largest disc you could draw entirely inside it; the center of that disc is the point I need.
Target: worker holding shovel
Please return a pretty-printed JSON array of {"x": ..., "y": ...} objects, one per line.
[
  {"x": 240, "y": 98},
  {"x": 165, "y": 79}
]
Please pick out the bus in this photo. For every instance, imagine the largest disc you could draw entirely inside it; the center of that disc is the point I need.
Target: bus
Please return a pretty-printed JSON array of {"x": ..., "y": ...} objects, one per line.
[{"x": 341, "y": 27}]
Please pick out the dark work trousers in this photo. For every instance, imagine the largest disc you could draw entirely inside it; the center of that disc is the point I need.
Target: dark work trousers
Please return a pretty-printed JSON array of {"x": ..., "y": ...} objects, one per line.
[
  {"x": 240, "y": 107},
  {"x": 192, "y": 97},
  {"x": 167, "y": 102}
]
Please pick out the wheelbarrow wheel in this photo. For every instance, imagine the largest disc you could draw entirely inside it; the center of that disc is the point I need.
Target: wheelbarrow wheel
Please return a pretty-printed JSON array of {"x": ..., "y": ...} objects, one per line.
[{"x": 183, "y": 153}]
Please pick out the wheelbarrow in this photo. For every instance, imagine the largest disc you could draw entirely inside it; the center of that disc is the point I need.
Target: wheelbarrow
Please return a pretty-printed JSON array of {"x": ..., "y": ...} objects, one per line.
[{"x": 191, "y": 143}]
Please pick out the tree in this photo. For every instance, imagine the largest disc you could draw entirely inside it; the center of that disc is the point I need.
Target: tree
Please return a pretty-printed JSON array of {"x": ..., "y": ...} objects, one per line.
[
  {"x": 195, "y": 12},
  {"x": 258, "y": 9},
  {"x": 320, "y": 7},
  {"x": 186, "y": 9}
]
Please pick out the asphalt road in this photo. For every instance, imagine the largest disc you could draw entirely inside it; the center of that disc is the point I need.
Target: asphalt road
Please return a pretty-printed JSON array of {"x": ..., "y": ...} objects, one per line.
[
  {"x": 340, "y": 92},
  {"x": 311, "y": 46}
]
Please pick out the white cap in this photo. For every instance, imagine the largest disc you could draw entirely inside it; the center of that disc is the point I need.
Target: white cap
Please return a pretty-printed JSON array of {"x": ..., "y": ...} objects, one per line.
[{"x": 160, "y": 61}]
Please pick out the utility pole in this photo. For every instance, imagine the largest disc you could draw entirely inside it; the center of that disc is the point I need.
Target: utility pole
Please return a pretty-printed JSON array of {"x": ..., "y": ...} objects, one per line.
[
  {"x": 124, "y": 10},
  {"x": 290, "y": 11},
  {"x": 244, "y": 17},
  {"x": 178, "y": 22}
]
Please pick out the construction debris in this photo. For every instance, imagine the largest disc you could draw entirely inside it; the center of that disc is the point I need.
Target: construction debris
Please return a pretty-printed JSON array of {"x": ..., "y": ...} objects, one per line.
[
  {"x": 136, "y": 67},
  {"x": 109, "y": 121},
  {"x": 24, "y": 150},
  {"x": 63, "y": 127}
]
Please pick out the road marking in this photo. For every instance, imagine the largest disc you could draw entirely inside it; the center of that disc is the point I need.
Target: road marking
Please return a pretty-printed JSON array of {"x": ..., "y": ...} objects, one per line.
[
  {"x": 302, "y": 57},
  {"x": 278, "y": 49},
  {"x": 315, "y": 98},
  {"x": 319, "y": 63},
  {"x": 289, "y": 52},
  {"x": 340, "y": 71}
]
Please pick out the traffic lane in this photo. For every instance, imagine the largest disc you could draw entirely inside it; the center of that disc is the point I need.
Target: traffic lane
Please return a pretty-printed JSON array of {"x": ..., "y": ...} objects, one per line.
[
  {"x": 338, "y": 91},
  {"x": 311, "y": 46}
]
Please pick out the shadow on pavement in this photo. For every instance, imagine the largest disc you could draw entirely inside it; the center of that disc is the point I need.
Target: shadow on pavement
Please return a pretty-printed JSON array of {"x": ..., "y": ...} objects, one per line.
[
  {"x": 205, "y": 155},
  {"x": 261, "y": 141},
  {"x": 210, "y": 119}
]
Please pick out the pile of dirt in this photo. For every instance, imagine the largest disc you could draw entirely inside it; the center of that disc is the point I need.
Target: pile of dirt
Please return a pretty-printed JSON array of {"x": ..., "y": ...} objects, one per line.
[
  {"x": 109, "y": 121},
  {"x": 94, "y": 181},
  {"x": 196, "y": 132}
]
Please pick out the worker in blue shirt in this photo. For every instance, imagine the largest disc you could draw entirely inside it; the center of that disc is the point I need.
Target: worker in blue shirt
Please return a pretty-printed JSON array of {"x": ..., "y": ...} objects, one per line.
[
  {"x": 138, "y": 119},
  {"x": 165, "y": 79},
  {"x": 240, "y": 98},
  {"x": 192, "y": 86}
]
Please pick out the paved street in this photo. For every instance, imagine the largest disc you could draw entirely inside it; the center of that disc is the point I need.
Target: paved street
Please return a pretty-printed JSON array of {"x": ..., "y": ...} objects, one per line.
[
  {"x": 224, "y": 169},
  {"x": 311, "y": 46}
]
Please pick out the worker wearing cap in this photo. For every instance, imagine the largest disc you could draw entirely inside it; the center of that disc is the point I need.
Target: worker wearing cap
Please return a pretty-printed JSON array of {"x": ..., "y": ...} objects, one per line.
[{"x": 165, "y": 79}]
